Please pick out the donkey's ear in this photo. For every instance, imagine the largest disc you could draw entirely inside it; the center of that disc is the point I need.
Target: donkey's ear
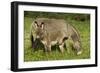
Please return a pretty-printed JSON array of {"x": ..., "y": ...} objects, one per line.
[
  {"x": 36, "y": 24},
  {"x": 42, "y": 25}
]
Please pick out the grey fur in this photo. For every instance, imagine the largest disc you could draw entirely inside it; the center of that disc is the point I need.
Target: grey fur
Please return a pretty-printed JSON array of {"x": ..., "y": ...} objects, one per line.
[{"x": 54, "y": 31}]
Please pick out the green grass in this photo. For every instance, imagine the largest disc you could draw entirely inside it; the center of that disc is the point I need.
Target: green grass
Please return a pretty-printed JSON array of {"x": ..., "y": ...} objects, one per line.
[{"x": 38, "y": 55}]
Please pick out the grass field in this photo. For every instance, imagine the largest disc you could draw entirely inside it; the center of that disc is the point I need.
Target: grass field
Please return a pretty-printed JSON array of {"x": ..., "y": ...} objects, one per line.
[{"x": 30, "y": 55}]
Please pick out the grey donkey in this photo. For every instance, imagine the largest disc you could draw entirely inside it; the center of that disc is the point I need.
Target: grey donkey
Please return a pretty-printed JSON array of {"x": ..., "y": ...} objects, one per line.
[{"x": 54, "y": 31}]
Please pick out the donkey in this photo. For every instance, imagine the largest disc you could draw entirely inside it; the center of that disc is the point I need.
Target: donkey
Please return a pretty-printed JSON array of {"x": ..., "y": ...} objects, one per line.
[{"x": 54, "y": 31}]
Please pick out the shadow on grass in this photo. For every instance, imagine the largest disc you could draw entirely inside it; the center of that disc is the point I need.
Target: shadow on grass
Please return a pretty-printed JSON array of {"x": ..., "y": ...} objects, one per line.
[{"x": 38, "y": 45}]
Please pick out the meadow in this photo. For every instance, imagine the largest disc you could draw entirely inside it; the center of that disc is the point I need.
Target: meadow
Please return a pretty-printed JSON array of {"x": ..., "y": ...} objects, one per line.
[{"x": 81, "y": 24}]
